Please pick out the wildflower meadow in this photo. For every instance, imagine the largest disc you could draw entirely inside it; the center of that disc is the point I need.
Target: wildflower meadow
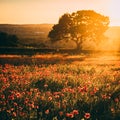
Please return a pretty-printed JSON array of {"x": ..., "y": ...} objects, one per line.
[{"x": 60, "y": 88}]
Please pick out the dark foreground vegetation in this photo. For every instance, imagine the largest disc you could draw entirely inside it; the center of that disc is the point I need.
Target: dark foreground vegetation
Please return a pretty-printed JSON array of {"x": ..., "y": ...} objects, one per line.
[{"x": 34, "y": 51}]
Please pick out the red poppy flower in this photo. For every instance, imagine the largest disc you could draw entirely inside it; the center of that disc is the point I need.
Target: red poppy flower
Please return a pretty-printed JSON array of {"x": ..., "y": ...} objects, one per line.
[{"x": 87, "y": 115}]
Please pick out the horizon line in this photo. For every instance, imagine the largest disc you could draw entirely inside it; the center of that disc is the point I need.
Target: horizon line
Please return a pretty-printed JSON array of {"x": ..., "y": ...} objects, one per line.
[{"x": 42, "y": 24}]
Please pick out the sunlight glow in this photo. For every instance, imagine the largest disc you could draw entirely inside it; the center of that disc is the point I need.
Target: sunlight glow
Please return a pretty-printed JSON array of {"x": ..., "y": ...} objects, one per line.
[
  {"x": 114, "y": 12},
  {"x": 49, "y": 11}
]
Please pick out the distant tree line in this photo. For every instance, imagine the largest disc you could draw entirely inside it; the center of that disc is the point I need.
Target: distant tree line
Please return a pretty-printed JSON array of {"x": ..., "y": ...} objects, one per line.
[{"x": 8, "y": 40}]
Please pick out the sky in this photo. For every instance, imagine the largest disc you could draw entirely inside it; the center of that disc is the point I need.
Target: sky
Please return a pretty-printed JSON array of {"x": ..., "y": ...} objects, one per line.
[{"x": 49, "y": 11}]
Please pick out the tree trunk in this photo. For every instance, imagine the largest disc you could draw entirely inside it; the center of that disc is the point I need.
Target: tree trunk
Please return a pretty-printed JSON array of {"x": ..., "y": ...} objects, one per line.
[
  {"x": 78, "y": 42},
  {"x": 78, "y": 47}
]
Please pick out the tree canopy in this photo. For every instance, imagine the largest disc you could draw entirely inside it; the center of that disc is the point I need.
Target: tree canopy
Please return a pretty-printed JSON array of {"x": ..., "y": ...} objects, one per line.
[
  {"x": 7, "y": 40},
  {"x": 80, "y": 27}
]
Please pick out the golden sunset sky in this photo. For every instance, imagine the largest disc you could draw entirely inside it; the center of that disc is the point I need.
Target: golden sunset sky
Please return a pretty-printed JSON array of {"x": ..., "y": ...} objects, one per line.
[{"x": 49, "y": 11}]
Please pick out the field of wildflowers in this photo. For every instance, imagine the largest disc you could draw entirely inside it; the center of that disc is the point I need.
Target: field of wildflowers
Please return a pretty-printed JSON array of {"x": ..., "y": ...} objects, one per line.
[{"x": 70, "y": 89}]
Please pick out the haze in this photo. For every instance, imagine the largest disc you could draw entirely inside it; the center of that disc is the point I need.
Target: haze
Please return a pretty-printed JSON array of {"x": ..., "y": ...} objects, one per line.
[{"x": 49, "y": 11}]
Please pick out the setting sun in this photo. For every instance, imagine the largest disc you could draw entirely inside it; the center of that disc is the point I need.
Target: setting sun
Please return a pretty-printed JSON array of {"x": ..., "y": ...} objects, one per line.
[{"x": 49, "y": 11}]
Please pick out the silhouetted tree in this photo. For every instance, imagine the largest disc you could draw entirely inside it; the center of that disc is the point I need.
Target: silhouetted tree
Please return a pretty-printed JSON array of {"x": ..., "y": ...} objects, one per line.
[
  {"x": 7, "y": 40},
  {"x": 80, "y": 27}
]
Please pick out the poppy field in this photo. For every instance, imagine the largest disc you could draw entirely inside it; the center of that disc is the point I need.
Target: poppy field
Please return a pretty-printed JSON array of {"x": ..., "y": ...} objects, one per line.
[{"x": 56, "y": 87}]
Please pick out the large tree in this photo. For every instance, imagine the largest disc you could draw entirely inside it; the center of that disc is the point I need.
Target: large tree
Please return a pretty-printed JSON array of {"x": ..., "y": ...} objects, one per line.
[{"x": 80, "y": 26}]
